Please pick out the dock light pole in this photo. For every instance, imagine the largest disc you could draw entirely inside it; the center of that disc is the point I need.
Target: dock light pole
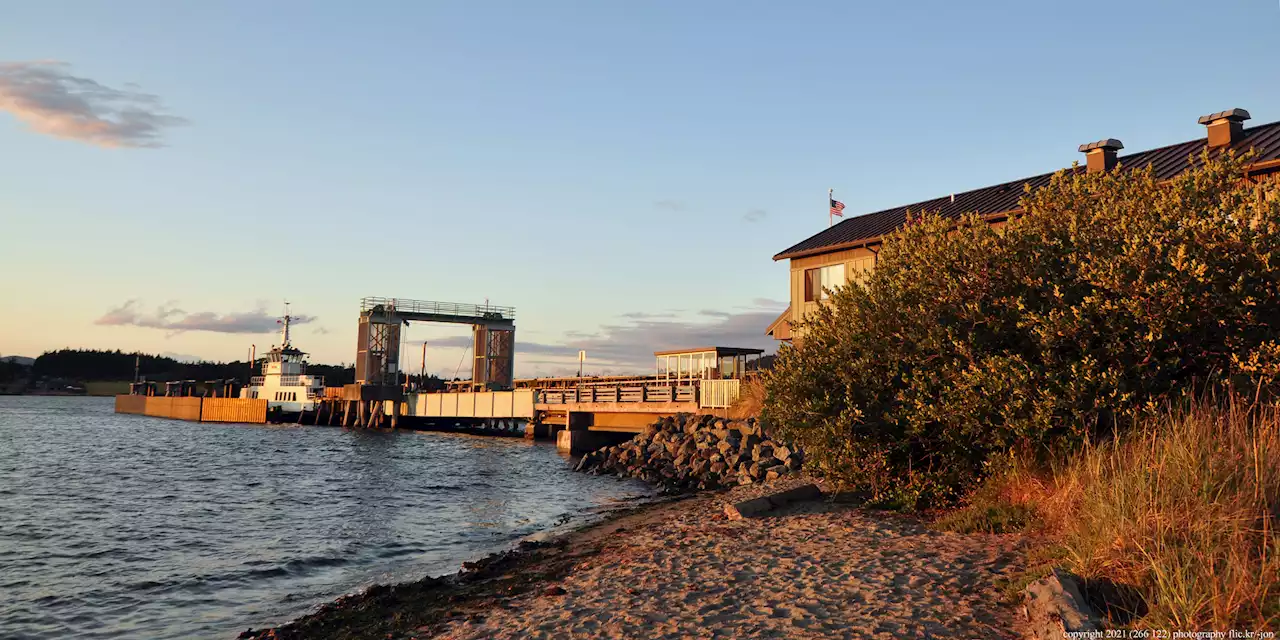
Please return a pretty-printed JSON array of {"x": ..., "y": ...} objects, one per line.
[
  {"x": 422, "y": 379},
  {"x": 582, "y": 356}
]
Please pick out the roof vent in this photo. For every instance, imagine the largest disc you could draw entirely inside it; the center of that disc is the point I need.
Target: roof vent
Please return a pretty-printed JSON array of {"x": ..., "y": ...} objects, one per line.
[
  {"x": 1225, "y": 127},
  {"x": 1101, "y": 155}
]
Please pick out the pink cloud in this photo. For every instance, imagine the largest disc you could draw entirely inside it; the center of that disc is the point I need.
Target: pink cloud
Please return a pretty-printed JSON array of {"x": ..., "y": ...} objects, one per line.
[{"x": 45, "y": 96}]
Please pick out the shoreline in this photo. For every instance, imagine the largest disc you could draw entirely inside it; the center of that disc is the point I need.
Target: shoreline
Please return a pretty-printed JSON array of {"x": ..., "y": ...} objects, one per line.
[
  {"x": 403, "y": 610},
  {"x": 678, "y": 567}
]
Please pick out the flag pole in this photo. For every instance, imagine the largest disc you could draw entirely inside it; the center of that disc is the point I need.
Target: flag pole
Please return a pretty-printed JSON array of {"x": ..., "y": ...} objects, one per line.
[{"x": 830, "y": 195}]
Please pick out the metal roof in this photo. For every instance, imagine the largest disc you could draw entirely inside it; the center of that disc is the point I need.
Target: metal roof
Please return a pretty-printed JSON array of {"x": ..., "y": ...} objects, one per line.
[
  {"x": 1167, "y": 162},
  {"x": 720, "y": 351}
]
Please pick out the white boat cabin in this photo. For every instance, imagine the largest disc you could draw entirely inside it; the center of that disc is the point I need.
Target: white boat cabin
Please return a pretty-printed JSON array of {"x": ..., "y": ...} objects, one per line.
[{"x": 284, "y": 382}]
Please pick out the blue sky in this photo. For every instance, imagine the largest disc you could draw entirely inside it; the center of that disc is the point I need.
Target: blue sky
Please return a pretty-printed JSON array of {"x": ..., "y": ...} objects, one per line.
[{"x": 621, "y": 173}]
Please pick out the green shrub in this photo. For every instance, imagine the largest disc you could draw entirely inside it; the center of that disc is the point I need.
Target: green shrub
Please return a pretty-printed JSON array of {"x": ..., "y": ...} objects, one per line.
[{"x": 969, "y": 345}]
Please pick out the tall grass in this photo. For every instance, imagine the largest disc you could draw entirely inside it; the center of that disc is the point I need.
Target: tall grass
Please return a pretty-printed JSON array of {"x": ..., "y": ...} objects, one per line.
[
  {"x": 750, "y": 399},
  {"x": 1184, "y": 511}
]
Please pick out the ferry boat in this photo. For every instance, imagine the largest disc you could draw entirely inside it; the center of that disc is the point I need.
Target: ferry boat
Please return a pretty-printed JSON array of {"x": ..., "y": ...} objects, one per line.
[{"x": 284, "y": 382}]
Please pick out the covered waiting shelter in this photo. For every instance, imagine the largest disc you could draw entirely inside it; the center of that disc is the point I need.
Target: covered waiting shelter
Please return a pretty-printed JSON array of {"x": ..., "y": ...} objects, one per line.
[{"x": 706, "y": 363}]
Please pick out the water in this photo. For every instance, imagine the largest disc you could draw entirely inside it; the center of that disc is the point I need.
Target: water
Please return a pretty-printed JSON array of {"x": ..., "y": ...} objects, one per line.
[{"x": 119, "y": 526}]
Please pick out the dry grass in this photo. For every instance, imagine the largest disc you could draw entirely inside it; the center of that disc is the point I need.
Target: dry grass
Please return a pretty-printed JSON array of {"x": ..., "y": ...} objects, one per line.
[
  {"x": 1184, "y": 511},
  {"x": 750, "y": 400}
]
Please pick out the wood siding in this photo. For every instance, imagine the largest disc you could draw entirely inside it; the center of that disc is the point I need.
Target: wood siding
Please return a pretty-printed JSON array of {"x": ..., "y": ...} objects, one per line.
[{"x": 857, "y": 263}]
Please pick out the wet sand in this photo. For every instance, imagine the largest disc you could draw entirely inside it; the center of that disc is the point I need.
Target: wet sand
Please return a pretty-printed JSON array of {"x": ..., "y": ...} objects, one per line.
[{"x": 685, "y": 570}]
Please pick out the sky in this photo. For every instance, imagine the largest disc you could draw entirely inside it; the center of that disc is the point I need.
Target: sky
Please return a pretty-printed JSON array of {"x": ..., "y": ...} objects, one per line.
[{"x": 620, "y": 173}]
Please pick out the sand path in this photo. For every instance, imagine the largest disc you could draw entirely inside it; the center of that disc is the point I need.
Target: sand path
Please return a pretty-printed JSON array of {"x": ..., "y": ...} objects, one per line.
[{"x": 814, "y": 570}]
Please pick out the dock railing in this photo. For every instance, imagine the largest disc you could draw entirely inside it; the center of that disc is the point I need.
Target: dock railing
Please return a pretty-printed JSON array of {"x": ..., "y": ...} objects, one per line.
[{"x": 646, "y": 389}]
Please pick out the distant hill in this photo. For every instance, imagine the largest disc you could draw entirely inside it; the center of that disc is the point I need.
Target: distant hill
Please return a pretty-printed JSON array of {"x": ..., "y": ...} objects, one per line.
[{"x": 22, "y": 360}]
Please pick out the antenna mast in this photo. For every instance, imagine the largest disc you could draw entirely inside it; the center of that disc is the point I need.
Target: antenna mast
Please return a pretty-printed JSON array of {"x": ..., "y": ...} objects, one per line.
[{"x": 284, "y": 332}]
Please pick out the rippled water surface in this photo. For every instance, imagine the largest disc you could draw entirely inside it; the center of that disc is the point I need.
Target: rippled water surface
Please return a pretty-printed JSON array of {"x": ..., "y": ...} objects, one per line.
[{"x": 117, "y": 526}]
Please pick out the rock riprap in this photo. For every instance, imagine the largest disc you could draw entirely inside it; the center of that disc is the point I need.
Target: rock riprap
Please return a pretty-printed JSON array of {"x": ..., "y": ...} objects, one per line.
[{"x": 691, "y": 452}]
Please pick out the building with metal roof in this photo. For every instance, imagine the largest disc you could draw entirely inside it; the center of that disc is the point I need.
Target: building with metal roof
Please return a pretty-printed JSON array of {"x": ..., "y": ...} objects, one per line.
[{"x": 846, "y": 251}]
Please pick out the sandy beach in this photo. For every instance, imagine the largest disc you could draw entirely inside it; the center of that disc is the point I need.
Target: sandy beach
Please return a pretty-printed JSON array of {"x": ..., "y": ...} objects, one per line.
[{"x": 684, "y": 569}]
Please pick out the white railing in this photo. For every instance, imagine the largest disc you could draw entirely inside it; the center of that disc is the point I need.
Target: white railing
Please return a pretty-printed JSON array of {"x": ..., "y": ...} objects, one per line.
[{"x": 720, "y": 394}]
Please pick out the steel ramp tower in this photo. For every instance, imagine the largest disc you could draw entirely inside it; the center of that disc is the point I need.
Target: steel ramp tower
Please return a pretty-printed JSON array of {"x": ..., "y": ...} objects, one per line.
[{"x": 378, "y": 340}]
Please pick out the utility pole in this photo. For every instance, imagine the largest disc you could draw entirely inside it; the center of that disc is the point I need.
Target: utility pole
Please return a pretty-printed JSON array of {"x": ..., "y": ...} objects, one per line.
[{"x": 582, "y": 356}]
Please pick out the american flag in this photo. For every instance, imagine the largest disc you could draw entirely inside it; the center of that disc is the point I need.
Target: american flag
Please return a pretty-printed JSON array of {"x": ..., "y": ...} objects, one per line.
[{"x": 836, "y": 207}]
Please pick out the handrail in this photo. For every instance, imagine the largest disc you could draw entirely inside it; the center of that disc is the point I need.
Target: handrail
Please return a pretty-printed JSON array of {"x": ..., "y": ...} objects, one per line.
[{"x": 399, "y": 305}]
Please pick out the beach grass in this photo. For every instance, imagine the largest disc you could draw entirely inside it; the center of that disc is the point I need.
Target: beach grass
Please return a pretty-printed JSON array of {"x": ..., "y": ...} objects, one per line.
[{"x": 1181, "y": 513}]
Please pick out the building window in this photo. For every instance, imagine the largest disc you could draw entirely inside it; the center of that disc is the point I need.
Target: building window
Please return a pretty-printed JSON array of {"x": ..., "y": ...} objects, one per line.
[{"x": 816, "y": 281}]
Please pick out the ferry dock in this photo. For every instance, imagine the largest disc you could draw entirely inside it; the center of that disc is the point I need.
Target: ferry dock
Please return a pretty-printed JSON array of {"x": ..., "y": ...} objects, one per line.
[{"x": 580, "y": 413}]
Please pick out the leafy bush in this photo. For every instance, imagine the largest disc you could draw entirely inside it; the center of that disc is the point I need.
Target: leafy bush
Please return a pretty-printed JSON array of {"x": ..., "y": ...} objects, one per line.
[{"x": 970, "y": 345}]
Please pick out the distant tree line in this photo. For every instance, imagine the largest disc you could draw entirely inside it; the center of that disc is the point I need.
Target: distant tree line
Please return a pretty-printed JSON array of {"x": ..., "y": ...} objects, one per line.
[
  {"x": 11, "y": 371},
  {"x": 91, "y": 364}
]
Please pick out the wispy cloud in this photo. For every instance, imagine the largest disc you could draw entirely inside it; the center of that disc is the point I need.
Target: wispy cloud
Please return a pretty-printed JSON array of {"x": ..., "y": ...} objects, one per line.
[
  {"x": 627, "y": 346},
  {"x": 50, "y": 100},
  {"x": 173, "y": 319},
  {"x": 671, "y": 205},
  {"x": 755, "y": 215},
  {"x": 643, "y": 315}
]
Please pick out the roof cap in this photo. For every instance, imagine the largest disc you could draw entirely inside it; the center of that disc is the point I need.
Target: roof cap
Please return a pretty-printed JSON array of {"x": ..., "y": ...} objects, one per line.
[
  {"x": 1237, "y": 114},
  {"x": 1108, "y": 143}
]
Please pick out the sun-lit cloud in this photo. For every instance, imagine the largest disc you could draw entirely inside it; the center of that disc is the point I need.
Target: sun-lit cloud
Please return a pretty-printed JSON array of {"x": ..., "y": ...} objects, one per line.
[
  {"x": 173, "y": 319},
  {"x": 50, "y": 100},
  {"x": 627, "y": 346},
  {"x": 644, "y": 315}
]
